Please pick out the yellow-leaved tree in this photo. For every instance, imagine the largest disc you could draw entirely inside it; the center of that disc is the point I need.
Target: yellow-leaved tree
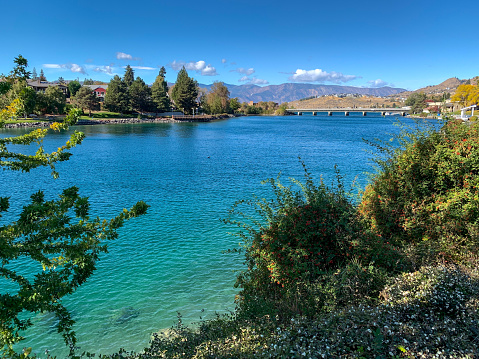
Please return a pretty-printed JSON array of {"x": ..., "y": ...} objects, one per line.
[{"x": 466, "y": 95}]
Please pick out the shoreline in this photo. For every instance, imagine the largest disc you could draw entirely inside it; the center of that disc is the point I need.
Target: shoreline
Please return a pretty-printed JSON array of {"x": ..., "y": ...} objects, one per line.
[{"x": 130, "y": 120}]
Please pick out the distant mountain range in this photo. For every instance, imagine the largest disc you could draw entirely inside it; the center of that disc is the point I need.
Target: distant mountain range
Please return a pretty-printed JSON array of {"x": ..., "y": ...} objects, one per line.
[{"x": 294, "y": 91}]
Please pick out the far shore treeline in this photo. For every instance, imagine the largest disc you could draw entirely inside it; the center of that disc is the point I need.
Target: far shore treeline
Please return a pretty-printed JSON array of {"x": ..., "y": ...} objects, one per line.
[{"x": 125, "y": 95}]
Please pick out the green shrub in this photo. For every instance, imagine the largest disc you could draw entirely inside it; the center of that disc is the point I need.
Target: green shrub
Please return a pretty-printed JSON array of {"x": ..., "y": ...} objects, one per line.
[
  {"x": 426, "y": 194},
  {"x": 307, "y": 249}
]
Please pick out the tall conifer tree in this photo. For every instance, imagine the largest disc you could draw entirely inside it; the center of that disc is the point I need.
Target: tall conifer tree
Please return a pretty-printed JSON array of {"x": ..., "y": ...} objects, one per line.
[
  {"x": 116, "y": 97},
  {"x": 129, "y": 76},
  {"x": 42, "y": 76},
  {"x": 140, "y": 96},
  {"x": 159, "y": 92},
  {"x": 34, "y": 74},
  {"x": 185, "y": 92}
]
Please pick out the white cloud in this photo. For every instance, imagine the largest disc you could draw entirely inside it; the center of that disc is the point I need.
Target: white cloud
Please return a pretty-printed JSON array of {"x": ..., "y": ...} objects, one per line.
[
  {"x": 142, "y": 68},
  {"x": 123, "y": 56},
  {"x": 319, "y": 75},
  {"x": 244, "y": 71},
  {"x": 253, "y": 81},
  {"x": 104, "y": 69},
  {"x": 71, "y": 67},
  {"x": 199, "y": 67},
  {"x": 223, "y": 61},
  {"x": 209, "y": 71},
  {"x": 379, "y": 83},
  {"x": 52, "y": 66}
]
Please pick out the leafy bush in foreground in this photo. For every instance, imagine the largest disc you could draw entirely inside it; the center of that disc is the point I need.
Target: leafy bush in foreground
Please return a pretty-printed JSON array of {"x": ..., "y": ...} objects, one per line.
[
  {"x": 427, "y": 194},
  {"x": 310, "y": 253}
]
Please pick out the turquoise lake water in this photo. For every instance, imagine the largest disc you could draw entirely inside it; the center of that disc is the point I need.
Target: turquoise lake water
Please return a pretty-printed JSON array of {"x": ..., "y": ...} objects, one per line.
[{"x": 171, "y": 260}]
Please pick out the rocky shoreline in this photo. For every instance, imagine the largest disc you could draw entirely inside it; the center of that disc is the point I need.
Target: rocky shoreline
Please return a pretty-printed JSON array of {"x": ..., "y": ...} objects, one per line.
[{"x": 175, "y": 119}]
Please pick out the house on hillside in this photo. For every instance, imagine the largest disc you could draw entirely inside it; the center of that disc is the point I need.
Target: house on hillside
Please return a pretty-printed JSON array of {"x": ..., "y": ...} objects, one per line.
[
  {"x": 432, "y": 106},
  {"x": 99, "y": 90},
  {"x": 41, "y": 86}
]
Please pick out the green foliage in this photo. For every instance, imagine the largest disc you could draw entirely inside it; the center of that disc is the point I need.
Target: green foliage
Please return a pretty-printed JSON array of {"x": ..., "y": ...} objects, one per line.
[
  {"x": 432, "y": 313},
  {"x": 27, "y": 97},
  {"x": 129, "y": 76},
  {"x": 85, "y": 98},
  {"x": 417, "y": 101},
  {"x": 21, "y": 162},
  {"x": 59, "y": 235},
  {"x": 5, "y": 86},
  {"x": 140, "y": 96},
  {"x": 41, "y": 104},
  {"x": 116, "y": 97},
  {"x": 185, "y": 92},
  {"x": 55, "y": 100},
  {"x": 303, "y": 242},
  {"x": 159, "y": 92},
  {"x": 34, "y": 74},
  {"x": 234, "y": 104},
  {"x": 73, "y": 87},
  {"x": 251, "y": 110},
  {"x": 267, "y": 107},
  {"x": 281, "y": 111},
  {"x": 67, "y": 249},
  {"x": 20, "y": 72},
  {"x": 217, "y": 99},
  {"x": 425, "y": 196}
]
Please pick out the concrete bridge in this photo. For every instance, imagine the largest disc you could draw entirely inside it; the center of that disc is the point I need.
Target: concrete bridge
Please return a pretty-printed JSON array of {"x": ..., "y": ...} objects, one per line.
[{"x": 364, "y": 111}]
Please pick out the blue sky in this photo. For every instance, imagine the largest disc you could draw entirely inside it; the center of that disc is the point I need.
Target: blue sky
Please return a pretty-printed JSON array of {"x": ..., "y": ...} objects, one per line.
[{"x": 408, "y": 44}]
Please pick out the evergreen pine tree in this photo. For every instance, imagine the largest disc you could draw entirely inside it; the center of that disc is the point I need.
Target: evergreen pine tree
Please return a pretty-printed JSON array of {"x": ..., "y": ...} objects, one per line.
[
  {"x": 159, "y": 92},
  {"x": 140, "y": 96},
  {"x": 129, "y": 76},
  {"x": 34, "y": 74},
  {"x": 116, "y": 97},
  {"x": 42, "y": 76},
  {"x": 185, "y": 92},
  {"x": 162, "y": 71}
]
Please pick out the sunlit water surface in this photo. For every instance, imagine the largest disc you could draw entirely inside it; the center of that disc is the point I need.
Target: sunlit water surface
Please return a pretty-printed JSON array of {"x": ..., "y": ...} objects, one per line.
[{"x": 171, "y": 260}]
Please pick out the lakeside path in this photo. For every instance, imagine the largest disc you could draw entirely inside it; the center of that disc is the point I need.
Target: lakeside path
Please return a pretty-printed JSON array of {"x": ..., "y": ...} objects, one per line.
[{"x": 175, "y": 119}]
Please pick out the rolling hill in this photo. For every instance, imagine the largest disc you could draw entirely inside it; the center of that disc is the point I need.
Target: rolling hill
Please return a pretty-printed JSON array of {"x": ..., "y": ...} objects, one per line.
[{"x": 288, "y": 92}]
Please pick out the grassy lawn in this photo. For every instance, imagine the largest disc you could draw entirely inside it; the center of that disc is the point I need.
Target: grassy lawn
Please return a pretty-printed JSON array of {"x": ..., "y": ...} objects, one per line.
[
  {"x": 100, "y": 115},
  {"x": 95, "y": 115},
  {"x": 29, "y": 119}
]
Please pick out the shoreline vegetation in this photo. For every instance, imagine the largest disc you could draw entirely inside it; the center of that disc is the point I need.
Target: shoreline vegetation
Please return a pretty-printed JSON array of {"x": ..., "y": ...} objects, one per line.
[{"x": 125, "y": 120}]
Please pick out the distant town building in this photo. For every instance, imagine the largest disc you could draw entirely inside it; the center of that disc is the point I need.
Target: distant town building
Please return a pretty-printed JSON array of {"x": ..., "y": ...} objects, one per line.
[
  {"x": 99, "y": 90},
  {"x": 41, "y": 86}
]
